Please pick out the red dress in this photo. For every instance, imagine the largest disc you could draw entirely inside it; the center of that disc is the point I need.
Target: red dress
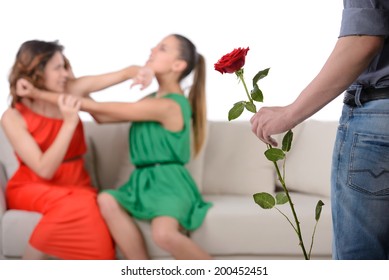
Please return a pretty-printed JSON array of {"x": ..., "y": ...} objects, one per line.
[{"x": 71, "y": 226}]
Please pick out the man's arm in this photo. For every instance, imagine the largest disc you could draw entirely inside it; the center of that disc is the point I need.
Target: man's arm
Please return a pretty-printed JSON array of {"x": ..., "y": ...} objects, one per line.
[{"x": 349, "y": 58}]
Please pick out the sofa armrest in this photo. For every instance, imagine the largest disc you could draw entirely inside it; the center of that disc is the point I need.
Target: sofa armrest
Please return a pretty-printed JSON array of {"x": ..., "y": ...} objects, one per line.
[{"x": 3, "y": 182}]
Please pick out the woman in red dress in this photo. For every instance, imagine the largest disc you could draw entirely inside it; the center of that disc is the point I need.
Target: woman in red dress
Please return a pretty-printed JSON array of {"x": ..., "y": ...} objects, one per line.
[{"x": 49, "y": 143}]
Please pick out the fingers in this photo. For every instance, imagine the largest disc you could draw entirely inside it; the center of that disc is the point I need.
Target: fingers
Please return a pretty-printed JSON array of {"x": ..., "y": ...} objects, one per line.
[
  {"x": 270, "y": 140},
  {"x": 60, "y": 100},
  {"x": 143, "y": 78},
  {"x": 259, "y": 129},
  {"x": 23, "y": 87},
  {"x": 69, "y": 102},
  {"x": 69, "y": 106}
]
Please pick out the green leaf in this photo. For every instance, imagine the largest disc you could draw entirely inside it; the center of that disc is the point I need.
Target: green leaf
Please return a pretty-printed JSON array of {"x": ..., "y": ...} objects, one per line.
[
  {"x": 287, "y": 141},
  {"x": 265, "y": 200},
  {"x": 256, "y": 94},
  {"x": 319, "y": 206},
  {"x": 281, "y": 198},
  {"x": 236, "y": 110},
  {"x": 260, "y": 75},
  {"x": 274, "y": 154},
  {"x": 251, "y": 107}
]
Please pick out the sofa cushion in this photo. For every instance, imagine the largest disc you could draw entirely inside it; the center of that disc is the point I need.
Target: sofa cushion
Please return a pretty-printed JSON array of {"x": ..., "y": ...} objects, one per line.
[
  {"x": 7, "y": 156},
  {"x": 235, "y": 226},
  {"x": 16, "y": 227},
  {"x": 308, "y": 164},
  {"x": 234, "y": 161}
]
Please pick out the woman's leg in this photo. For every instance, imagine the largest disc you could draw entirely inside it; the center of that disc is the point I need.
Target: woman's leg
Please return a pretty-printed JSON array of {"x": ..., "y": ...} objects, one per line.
[
  {"x": 33, "y": 254},
  {"x": 122, "y": 227},
  {"x": 166, "y": 234}
]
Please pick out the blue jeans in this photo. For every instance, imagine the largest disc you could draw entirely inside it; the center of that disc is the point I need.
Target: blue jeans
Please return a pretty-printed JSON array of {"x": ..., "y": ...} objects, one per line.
[{"x": 360, "y": 183}]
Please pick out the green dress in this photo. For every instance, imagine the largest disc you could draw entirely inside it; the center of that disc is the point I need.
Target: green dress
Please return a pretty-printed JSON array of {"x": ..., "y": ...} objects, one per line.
[{"x": 161, "y": 185}]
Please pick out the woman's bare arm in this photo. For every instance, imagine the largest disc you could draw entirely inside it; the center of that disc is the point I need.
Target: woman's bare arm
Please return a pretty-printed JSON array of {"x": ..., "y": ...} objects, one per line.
[{"x": 44, "y": 164}]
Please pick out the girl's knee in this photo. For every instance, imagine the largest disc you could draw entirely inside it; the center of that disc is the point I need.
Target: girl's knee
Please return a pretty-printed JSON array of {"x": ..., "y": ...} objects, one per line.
[
  {"x": 107, "y": 204},
  {"x": 164, "y": 233},
  {"x": 162, "y": 237}
]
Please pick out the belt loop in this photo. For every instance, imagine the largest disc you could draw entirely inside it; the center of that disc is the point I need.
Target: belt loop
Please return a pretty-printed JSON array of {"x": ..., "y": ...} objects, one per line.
[{"x": 357, "y": 97}]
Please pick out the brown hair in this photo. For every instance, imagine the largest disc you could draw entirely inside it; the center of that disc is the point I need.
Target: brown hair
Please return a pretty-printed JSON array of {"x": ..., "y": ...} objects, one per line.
[
  {"x": 30, "y": 63},
  {"x": 197, "y": 98}
]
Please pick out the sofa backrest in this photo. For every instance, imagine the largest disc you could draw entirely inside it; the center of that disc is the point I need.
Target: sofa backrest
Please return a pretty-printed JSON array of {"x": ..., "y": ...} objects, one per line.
[
  {"x": 107, "y": 159},
  {"x": 308, "y": 164},
  {"x": 8, "y": 162},
  {"x": 232, "y": 161}
]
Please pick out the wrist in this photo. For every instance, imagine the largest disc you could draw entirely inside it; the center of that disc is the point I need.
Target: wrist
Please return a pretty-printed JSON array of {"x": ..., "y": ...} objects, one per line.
[
  {"x": 70, "y": 124},
  {"x": 35, "y": 93},
  {"x": 132, "y": 71},
  {"x": 294, "y": 115}
]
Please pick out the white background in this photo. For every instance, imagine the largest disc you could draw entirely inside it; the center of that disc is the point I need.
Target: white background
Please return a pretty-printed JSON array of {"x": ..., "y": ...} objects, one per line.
[
  {"x": 293, "y": 38},
  {"x": 275, "y": 269}
]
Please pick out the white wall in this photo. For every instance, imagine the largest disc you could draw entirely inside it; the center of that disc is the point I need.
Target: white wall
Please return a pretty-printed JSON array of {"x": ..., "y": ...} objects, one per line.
[{"x": 293, "y": 38}]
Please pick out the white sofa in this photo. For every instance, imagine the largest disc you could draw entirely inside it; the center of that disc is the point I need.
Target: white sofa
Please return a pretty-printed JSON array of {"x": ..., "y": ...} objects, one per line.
[{"x": 230, "y": 169}]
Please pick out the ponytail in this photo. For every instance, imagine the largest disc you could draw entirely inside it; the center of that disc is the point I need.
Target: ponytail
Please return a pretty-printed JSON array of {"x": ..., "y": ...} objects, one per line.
[
  {"x": 196, "y": 63},
  {"x": 197, "y": 100}
]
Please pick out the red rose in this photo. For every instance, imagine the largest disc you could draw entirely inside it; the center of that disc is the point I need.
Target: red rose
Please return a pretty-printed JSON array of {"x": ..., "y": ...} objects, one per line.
[{"x": 232, "y": 62}]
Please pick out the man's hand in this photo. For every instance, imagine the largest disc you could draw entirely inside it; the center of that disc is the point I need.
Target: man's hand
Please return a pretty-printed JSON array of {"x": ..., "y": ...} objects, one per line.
[{"x": 269, "y": 121}]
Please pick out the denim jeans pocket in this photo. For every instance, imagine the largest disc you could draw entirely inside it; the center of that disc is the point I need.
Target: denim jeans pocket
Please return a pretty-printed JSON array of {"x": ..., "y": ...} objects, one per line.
[{"x": 369, "y": 164}]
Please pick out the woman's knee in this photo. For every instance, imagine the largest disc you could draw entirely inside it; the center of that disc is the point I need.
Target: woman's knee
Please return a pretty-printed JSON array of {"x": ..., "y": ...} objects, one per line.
[
  {"x": 107, "y": 204},
  {"x": 164, "y": 234},
  {"x": 162, "y": 238}
]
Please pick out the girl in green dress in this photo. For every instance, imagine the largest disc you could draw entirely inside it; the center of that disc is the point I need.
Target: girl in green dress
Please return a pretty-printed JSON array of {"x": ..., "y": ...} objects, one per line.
[{"x": 160, "y": 189}]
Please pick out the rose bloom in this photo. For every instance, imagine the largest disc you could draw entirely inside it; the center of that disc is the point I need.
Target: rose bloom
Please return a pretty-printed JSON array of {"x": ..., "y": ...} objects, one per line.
[{"x": 232, "y": 62}]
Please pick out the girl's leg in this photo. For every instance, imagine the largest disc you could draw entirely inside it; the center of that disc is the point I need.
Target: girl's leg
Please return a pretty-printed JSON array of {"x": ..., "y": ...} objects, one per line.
[
  {"x": 33, "y": 254},
  {"x": 123, "y": 228},
  {"x": 166, "y": 234}
]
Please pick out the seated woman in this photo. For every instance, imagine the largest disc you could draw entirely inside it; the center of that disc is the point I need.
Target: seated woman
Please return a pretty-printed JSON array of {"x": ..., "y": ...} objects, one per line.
[{"x": 49, "y": 143}]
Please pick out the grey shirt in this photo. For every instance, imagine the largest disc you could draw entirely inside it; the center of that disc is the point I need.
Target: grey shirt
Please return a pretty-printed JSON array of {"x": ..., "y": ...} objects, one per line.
[{"x": 369, "y": 17}]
